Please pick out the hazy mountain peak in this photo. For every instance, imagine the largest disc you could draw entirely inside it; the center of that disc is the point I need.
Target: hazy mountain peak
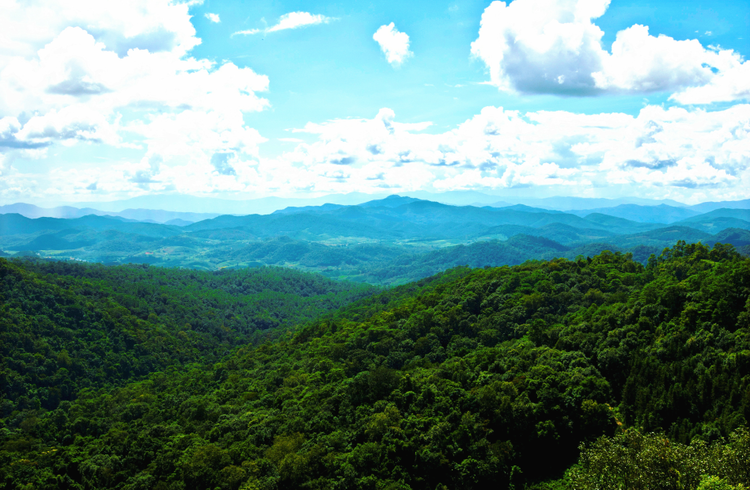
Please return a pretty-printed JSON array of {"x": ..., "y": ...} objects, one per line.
[
  {"x": 525, "y": 208},
  {"x": 392, "y": 201}
]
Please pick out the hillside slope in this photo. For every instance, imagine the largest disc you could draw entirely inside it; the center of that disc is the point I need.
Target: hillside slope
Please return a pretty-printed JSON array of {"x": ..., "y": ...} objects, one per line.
[
  {"x": 489, "y": 380},
  {"x": 66, "y": 327}
]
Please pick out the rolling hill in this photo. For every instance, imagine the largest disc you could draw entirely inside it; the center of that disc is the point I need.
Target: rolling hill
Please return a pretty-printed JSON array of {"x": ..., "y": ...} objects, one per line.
[
  {"x": 644, "y": 214},
  {"x": 384, "y": 241}
]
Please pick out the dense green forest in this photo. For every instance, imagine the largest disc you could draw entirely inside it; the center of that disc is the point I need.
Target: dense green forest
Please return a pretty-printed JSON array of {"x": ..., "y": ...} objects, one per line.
[
  {"x": 65, "y": 327},
  {"x": 483, "y": 378}
]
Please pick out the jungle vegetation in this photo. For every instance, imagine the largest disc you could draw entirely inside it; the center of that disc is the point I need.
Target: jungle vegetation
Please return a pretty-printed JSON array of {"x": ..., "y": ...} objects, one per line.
[{"x": 584, "y": 373}]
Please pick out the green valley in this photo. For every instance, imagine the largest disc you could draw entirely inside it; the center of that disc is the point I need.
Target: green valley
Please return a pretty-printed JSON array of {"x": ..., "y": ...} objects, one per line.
[{"x": 383, "y": 242}]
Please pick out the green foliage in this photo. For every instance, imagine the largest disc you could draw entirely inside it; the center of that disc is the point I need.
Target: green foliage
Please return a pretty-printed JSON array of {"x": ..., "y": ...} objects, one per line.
[
  {"x": 65, "y": 327},
  {"x": 715, "y": 483},
  {"x": 484, "y": 378},
  {"x": 632, "y": 460}
]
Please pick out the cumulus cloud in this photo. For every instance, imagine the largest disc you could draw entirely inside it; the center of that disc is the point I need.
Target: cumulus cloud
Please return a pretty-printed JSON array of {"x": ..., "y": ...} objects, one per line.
[
  {"x": 292, "y": 20},
  {"x": 67, "y": 126},
  {"x": 680, "y": 153},
  {"x": 554, "y": 47},
  {"x": 75, "y": 68},
  {"x": 677, "y": 152},
  {"x": 123, "y": 76},
  {"x": 393, "y": 43},
  {"x": 213, "y": 17},
  {"x": 70, "y": 124},
  {"x": 727, "y": 86},
  {"x": 9, "y": 128},
  {"x": 156, "y": 26},
  {"x": 72, "y": 71},
  {"x": 179, "y": 136}
]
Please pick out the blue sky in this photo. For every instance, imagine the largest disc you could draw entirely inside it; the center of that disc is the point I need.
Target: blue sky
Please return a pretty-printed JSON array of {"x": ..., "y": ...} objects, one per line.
[
  {"x": 103, "y": 101},
  {"x": 336, "y": 70}
]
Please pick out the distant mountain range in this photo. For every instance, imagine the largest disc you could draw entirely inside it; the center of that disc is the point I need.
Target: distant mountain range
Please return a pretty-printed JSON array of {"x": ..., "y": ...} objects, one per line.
[
  {"x": 389, "y": 240},
  {"x": 405, "y": 218},
  {"x": 661, "y": 213},
  {"x": 167, "y": 208},
  {"x": 664, "y": 213},
  {"x": 584, "y": 203},
  {"x": 146, "y": 215}
]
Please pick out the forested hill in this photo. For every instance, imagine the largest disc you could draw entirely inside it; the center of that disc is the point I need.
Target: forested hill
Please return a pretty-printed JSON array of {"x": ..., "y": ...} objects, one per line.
[
  {"x": 489, "y": 378},
  {"x": 65, "y": 327},
  {"x": 363, "y": 242}
]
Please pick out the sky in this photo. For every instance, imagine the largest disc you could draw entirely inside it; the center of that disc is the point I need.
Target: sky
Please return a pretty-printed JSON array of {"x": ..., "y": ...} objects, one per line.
[{"x": 105, "y": 100}]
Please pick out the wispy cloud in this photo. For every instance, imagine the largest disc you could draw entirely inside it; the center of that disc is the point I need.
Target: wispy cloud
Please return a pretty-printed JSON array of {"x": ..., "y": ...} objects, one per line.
[
  {"x": 295, "y": 20},
  {"x": 213, "y": 18},
  {"x": 292, "y": 20},
  {"x": 248, "y": 32}
]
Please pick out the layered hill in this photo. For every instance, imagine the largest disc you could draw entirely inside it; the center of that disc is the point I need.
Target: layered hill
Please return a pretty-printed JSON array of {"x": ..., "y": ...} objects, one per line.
[
  {"x": 69, "y": 212},
  {"x": 662, "y": 213},
  {"x": 387, "y": 241}
]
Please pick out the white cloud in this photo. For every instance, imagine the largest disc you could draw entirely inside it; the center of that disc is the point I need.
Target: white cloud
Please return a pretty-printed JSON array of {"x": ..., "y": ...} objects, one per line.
[
  {"x": 72, "y": 76},
  {"x": 213, "y": 17},
  {"x": 120, "y": 74},
  {"x": 292, "y": 20},
  {"x": 553, "y": 46},
  {"x": 69, "y": 125},
  {"x": 9, "y": 126},
  {"x": 727, "y": 86},
  {"x": 247, "y": 32},
  {"x": 643, "y": 63},
  {"x": 154, "y": 25},
  {"x": 528, "y": 47},
  {"x": 295, "y": 20},
  {"x": 684, "y": 154},
  {"x": 174, "y": 136},
  {"x": 393, "y": 43},
  {"x": 74, "y": 68}
]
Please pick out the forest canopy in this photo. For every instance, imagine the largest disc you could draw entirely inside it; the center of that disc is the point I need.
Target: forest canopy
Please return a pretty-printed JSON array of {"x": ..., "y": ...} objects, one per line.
[
  {"x": 505, "y": 377},
  {"x": 65, "y": 327}
]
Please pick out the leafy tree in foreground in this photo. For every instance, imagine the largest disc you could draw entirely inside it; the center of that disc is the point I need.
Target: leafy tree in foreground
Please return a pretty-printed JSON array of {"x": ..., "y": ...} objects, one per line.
[{"x": 632, "y": 460}]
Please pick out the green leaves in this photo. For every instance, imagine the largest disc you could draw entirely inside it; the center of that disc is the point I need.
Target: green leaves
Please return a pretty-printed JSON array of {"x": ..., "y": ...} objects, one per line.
[
  {"x": 472, "y": 379},
  {"x": 66, "y": 327},
  {"x": 651, "y": 461}
]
